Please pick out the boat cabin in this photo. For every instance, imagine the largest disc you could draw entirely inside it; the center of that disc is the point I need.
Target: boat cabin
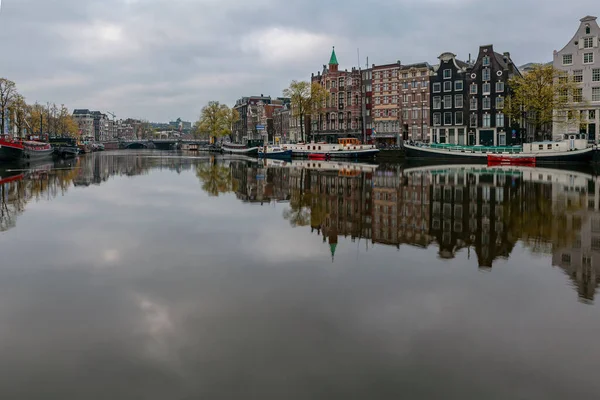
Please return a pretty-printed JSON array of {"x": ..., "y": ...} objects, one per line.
[{"x": 570, "y": 142}]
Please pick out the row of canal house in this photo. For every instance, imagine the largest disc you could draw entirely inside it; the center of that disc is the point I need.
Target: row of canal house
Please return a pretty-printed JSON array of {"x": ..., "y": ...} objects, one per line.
[
  {"x": 467, "y": 100},
  {"x": 453, "y": 102}
]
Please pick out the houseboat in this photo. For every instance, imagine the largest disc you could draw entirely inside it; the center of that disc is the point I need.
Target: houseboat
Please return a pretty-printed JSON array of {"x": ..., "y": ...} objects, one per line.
[
  {"x": 24, "y": 150},
  {"x": 344, "y": 148},
  {"x": 248, "y": 148},
  {"x": 572, "y": 148}
]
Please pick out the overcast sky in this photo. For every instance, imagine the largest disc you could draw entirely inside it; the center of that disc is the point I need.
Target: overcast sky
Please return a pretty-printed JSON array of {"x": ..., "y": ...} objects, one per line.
[{"x": 163, "y": 59}]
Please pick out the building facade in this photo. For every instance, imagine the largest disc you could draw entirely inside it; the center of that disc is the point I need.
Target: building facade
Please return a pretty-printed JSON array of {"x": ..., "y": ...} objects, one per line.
[
  {"x": 448, "y": 89},
  {"x": 413, "y": 85},
  {"x": 580, "y": 59},
  {"x": 487, "y": 81},
  {"x": 385, "y": 110},
  {"x": 245, "y": 127},
  {"x": 341, "y": 116},
  {"x": 367, "y": 102}
]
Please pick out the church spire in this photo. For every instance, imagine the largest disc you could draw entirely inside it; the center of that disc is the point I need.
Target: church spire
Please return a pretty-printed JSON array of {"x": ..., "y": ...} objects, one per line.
[{"x": 333, "y": 60}]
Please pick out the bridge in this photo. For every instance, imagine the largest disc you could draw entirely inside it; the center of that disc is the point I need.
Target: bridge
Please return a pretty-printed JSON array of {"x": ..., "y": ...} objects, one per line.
[{"x": 161, "y": 144}]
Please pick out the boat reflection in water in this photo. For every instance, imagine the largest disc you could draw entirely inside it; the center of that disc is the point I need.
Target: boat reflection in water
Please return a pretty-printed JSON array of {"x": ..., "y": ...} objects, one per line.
[{"x": 483, "y": 211}]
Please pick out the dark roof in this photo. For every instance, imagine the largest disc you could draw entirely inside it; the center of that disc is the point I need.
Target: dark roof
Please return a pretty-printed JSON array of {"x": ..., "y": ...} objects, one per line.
[
  {"x": 501, "y": 60},
  {"x": 461, "y": 64},
  {"x": 417, "y": 65},
  {"x": 81, "y": 111}
]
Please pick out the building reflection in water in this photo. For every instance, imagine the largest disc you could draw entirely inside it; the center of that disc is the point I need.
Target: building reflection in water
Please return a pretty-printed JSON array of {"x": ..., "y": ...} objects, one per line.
[
  {"x": 476, "y": 210},
  {"x": 483, "y": 211}
]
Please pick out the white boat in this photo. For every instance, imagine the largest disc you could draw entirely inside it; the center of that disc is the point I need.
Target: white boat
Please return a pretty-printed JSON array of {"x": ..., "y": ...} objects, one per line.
[
  {"x": 571, "y": 148},
  {"x": 248, "y": 148},
  {"x": 344, "y": 148}
]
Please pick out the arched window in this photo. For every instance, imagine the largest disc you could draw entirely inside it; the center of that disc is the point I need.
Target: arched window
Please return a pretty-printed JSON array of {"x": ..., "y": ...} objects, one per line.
[{"x": 587, "y": 29}]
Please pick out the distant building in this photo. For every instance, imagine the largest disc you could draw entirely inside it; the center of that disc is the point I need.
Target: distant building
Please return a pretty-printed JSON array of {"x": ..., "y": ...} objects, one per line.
[
  {"x": 93, "y": 125},
  {"x": 180, "y": 125},
  {"x": 246, "y": 127},
  {"x": 580, "y": 59}
]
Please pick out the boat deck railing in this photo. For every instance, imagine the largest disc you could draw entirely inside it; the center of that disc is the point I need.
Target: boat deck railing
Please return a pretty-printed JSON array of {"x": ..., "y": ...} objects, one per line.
[{"x": 477, "y": 149}]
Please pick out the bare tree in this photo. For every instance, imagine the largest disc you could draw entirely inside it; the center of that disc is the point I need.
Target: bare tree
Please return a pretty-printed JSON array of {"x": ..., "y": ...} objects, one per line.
[{"x": 8, "y": 91}]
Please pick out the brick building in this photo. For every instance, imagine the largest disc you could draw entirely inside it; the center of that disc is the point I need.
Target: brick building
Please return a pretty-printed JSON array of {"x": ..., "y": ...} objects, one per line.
[
  {"x": 385, "y": 111},
  {"x": 341, "y": 116},
  {"x": 413, "y": 85}
]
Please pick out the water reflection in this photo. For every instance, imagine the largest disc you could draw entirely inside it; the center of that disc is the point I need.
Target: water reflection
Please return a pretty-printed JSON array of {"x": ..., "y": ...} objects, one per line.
[
  {"x": 20, "y": 185},
  {"x": 483, "y": 211}
]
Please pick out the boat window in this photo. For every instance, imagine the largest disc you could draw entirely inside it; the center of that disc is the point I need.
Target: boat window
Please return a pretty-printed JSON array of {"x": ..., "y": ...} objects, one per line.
[
  {"x": 319, "y": 147},
  {"x": 549, "y": 147},
  {"x": 541, "y": 147}
]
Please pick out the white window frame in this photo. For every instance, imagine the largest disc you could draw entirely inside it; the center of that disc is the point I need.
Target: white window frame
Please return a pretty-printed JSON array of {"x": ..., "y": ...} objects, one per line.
[
  {"x": 448, "y": 86},
  {"x": 486, "y": 103},
  {"x": 439, "y": 102},
  {"x": 485, "y": 61},
  {"x": 437, "y": 87},
  {"x": 473, "y": 103},
  {"x": 486, "y": 121},
  {"x": 590, "y": 61},
  {"x": 488, "y": 86},
  {"x": 567, "y": 55},
  {"x": 458, "y": 101},
  {"x": 596, "y": 95},
  {"x": 590, "y": 41},
  {"x": 437, "y": 116},
  {"x": 473, "y": 120},
  {"x": 447, "y": 97},
  {"x": 448, "y": 75},
  {"x": 456, "y": 86},
  {"x": 471, "y": 87},
  {"x": 500, "y": 87},
  {"x": 484, "y": 72},
  {"x": 456, "y": 119},
  {"x": 445, "y": 115},
  {"x": 500, "y": 116},
  {"x": 499, "y": 103},
  {"x": 596, "y": 75}
]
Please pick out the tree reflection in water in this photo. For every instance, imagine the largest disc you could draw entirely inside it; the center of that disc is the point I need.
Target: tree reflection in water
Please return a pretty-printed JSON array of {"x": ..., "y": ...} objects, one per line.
[{"x": 216, "y": 178}]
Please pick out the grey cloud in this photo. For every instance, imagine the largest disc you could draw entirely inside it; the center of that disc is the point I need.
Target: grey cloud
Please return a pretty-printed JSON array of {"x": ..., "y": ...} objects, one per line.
[{"x": 198, "y": 51}]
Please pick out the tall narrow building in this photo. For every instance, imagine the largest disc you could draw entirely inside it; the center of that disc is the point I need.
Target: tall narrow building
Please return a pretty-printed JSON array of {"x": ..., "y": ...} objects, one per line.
[
  {"x": 488, "y": 80},
  {"x": 448, "y": 95}
]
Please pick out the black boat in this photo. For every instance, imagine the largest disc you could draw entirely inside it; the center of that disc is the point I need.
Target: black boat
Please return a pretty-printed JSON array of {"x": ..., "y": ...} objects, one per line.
[{"x": 64, "y": 147}]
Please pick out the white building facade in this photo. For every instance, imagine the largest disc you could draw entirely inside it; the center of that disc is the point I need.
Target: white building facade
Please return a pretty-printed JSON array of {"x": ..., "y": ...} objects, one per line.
[{"x": 580, "y": 59}]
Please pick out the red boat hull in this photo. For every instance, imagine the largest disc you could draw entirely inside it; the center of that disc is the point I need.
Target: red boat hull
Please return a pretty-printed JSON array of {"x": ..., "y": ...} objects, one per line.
[
  {"x": 317, "y": 156},
  {"x": 510, "y": 160}
]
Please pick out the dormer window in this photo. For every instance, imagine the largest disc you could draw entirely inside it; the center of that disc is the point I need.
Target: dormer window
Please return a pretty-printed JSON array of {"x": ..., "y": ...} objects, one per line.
[{"x": 587, "y": 29}]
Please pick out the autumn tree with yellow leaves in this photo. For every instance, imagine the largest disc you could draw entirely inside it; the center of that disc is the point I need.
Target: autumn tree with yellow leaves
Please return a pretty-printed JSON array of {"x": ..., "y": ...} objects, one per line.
[{"x": 542, "y": 96}]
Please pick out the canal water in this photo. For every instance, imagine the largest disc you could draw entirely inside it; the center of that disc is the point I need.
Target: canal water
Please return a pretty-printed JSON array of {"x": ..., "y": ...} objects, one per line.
[{"x": 158, "y": 275}]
